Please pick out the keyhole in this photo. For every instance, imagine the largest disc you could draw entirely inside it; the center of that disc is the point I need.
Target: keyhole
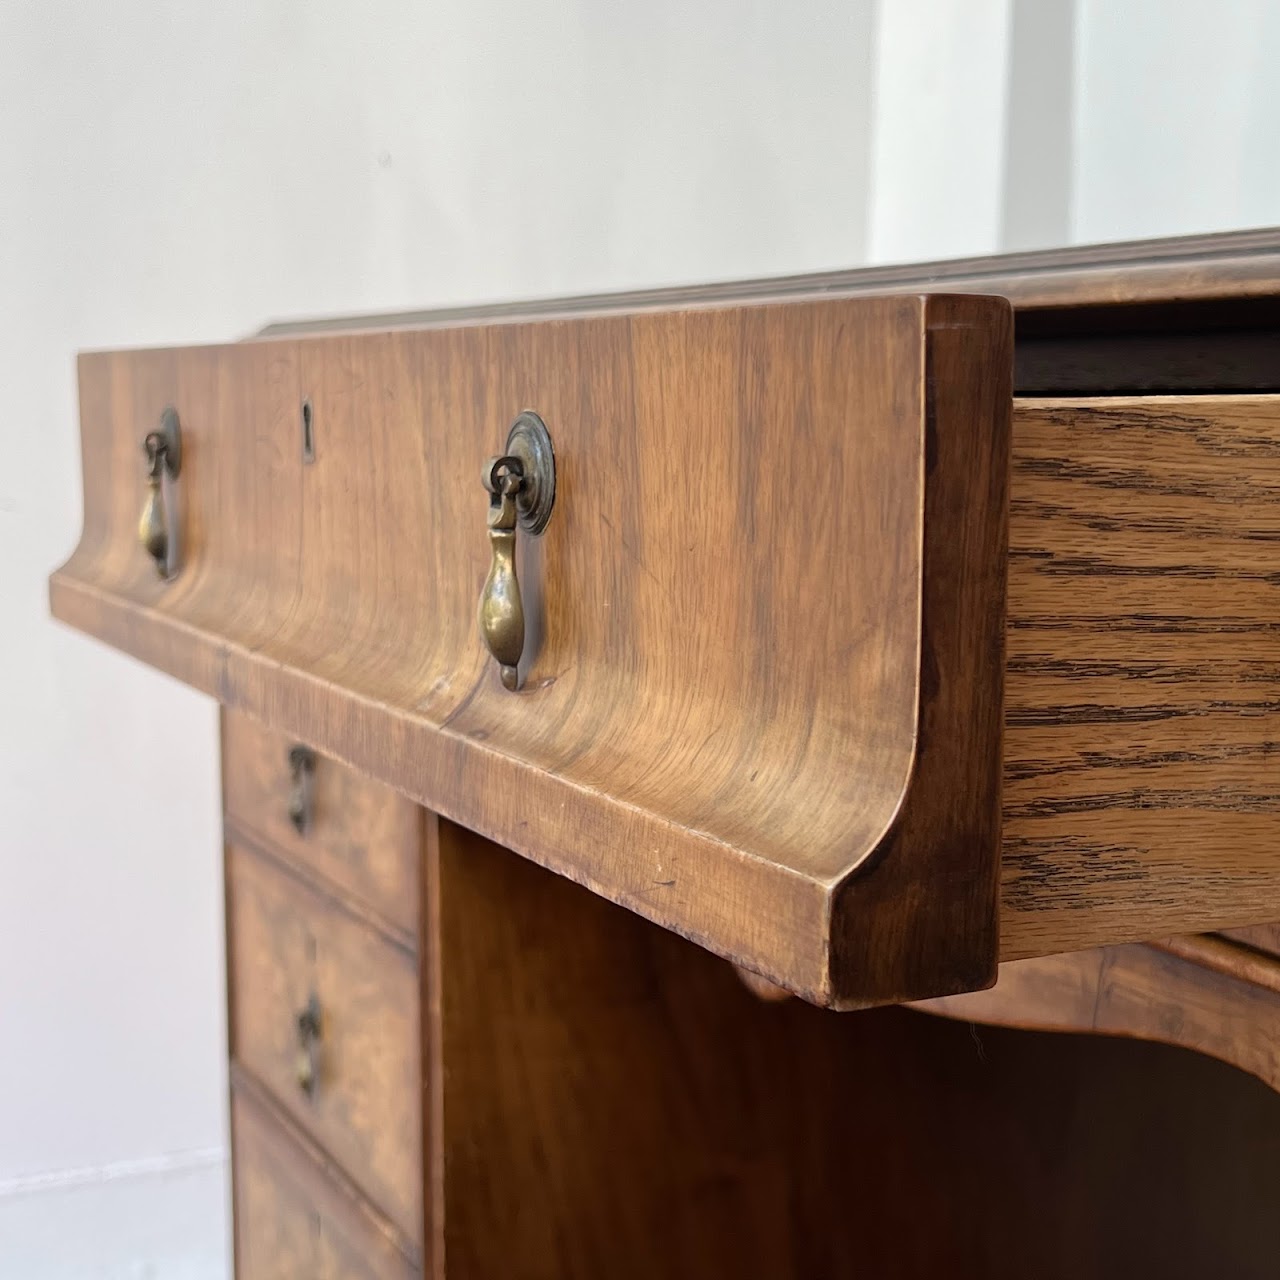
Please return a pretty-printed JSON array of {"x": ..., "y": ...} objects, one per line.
[{"x": 308, "y": 434}]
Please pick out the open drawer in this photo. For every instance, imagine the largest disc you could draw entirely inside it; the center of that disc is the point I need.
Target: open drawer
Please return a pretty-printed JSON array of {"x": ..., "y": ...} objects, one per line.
[{"x": 762, "y": 678}]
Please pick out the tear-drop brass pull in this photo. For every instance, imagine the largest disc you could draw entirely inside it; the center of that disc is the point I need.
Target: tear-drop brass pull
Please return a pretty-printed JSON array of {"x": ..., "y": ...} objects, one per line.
[
  {"x": 307, "y": 1066},
  {"x": 501, "y": 609},
  {"x": 302, "y": 771},
  {"x": 522, "y": 490},
  {"x": 163, "y": 449}
]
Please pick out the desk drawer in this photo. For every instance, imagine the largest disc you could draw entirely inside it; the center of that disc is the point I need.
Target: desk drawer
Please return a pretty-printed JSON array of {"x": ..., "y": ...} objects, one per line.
[
  {"x": 354, "y": 832},
  {"x": 773, "y": 568},
  {"x": 839, "y": 660},
  {"x": 324, "y": 1013},
  {"x": 292, "y": 1220}
]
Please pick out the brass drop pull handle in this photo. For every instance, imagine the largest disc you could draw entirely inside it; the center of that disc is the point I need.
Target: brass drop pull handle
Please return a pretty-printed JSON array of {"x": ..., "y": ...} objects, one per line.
[
  {"x": 522, "y": 490},
  {"x": 307, "y": 1067},
  {"x": 163, "y": 450},
  {"x": 501, "y": 609},
  {"x": 302, "y": 772}
]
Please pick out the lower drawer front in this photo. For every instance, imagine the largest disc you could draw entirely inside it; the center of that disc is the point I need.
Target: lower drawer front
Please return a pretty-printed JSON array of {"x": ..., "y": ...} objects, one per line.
[
  {"x": 324, "y": 1014},
  {"x": 292, "y": 1221}
]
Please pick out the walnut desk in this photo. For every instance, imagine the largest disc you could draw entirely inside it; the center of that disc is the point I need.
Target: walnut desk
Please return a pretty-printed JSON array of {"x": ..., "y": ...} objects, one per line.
[{"x": 907, "y": 635}]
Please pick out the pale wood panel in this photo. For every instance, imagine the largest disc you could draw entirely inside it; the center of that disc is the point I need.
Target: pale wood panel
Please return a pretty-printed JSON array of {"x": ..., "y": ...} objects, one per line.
[
  {"x": 361, "y": 837},
  {"x": 764, "y": 711},
  {"x": 1142, "y": 784},
  {"x": 286, "y": 944}
]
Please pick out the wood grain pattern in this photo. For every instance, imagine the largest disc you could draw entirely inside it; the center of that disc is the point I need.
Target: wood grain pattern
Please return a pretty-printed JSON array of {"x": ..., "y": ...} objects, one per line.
[
  {"x": 294, "y": 1221},
  {"x": 286, "y": 943},
  {"x": 1211, "y": 995},
  {"x": 770, "y": 602},
  {"x": 617, "y": 1104},
  {"x": 1143, "y": 682},
  {"x": 362, "y": 839}
]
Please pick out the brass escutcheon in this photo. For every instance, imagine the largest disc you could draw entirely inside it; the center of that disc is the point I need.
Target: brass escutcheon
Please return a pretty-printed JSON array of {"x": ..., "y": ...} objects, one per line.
[{"x": 522, "y": 490}]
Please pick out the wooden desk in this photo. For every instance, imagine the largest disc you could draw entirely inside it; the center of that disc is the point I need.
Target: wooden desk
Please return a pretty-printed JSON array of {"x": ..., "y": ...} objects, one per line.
[{"x": 883, "y": 640}]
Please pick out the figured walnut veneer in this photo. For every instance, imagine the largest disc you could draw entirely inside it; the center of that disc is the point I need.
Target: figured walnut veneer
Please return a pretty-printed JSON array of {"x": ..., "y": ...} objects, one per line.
[{"x": 764, "y": 709}]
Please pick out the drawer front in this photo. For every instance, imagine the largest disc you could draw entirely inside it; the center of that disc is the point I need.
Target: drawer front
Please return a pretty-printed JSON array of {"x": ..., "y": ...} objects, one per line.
[
  {"x": 356, "y": 833},
  {"x": 324, "y": 1013},
  {"x": 773, "y": 574},
  {"x": 293, "y": 1221}
]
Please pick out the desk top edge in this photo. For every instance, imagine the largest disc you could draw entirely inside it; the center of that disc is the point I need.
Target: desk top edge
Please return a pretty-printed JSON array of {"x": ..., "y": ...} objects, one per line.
[{"x": 1219, "y": 266}]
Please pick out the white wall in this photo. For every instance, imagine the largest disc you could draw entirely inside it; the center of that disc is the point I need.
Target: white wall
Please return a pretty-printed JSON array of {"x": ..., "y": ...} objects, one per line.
[
  {"x": 1177, "y": 118},
  {"x": 940, "y": 116},
  {"x": 182, "y": 171}
]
